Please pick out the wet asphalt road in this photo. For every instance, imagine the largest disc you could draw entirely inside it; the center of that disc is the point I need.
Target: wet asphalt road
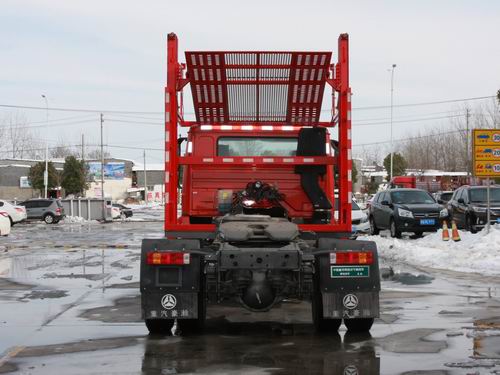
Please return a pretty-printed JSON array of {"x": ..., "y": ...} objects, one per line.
[{"x": 69, "y": 304}]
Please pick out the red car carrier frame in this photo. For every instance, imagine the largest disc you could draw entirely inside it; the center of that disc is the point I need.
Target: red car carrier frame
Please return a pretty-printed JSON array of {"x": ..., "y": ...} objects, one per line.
[
  {"x": 258, "y": 207},
  {"x": 231, "y": 91}
]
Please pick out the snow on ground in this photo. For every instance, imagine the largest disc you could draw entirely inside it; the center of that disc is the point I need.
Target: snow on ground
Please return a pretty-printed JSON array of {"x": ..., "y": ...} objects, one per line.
[
  {"x": 150, "y": 205},
  {"x": 77, "y": 220},
  {"x": 479, "y": 253}
]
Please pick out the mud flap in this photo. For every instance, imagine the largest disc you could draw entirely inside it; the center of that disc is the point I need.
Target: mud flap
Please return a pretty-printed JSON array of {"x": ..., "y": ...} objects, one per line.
[
  {"x": 170, "y": 305},
  {"x": 171, "y": 291},
  {"x": 348, "y": 291}
]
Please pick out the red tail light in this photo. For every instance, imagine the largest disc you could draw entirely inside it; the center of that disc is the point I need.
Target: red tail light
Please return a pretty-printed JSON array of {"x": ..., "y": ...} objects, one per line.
[
  {"x": 351, "y": 257},
  {"x": 58, "y": 210},
  {"x": 19, "y": 209},
  {"x": 4, "y": 214},
  {"x": 176, "y": 258}
]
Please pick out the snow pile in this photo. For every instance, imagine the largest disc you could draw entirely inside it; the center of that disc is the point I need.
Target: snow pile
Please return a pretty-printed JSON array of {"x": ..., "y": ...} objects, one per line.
[
  {"x": 150, "y": 205},
  {"x": 77, "y": 220},
  {"x": 479, "y": 253}
]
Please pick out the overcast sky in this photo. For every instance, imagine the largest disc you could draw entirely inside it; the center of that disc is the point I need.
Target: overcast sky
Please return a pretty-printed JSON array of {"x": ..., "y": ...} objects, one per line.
[{"x": 111, "y": 55}]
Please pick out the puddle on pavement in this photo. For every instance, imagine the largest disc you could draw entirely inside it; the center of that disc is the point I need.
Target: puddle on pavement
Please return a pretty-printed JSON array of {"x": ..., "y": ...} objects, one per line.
[
  {"x": 42, "y": 294},
  {"x": 124, "y": 310}
]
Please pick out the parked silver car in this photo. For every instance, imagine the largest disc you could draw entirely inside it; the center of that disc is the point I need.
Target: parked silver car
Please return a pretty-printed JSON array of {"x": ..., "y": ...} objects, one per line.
[{"x": 49, "y": 210}]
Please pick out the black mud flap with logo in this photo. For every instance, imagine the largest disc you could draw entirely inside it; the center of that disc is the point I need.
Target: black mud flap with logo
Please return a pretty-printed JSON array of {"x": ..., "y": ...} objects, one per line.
[
  {"x": 349, "y": 278},
  {"x": 172, "y": 290}
]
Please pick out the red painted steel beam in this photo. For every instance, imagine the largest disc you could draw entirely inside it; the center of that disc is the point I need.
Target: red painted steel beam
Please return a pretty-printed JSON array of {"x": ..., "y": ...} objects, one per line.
[
  {"x": 267, "y": 161},
  {"x": 344, "y": 109},
  {"x": 333, "y": 227},
  {"x": 171, "y": 158}
]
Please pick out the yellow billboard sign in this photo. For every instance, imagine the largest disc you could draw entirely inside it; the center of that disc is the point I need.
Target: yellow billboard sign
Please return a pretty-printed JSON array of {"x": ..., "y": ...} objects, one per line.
[
  {"x": 486, "y": 152},
  {"x": 487, "y": 168},
  {"x": 486, "y": 137}
]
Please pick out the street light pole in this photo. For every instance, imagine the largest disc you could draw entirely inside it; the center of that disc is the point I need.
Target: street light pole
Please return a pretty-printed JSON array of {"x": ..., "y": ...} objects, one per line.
[
  {"x": 46, "y": 172},
  {"x": 392, "y": 96}
]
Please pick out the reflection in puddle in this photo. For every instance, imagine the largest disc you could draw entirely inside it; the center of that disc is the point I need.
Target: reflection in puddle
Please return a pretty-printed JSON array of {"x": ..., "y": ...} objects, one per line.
[{"x": 258, "y": 349}]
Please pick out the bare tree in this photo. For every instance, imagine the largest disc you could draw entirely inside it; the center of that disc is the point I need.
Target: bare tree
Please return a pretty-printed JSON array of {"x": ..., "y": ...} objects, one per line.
[
  {"x": 448, "y": 147},
  {"x": 18, "y": 140},
  {"x": 95, "y": 154},
  {"x": 62, "y": 150}
]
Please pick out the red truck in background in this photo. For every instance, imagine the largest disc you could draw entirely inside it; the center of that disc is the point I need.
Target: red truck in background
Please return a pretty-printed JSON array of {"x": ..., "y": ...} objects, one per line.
[{"x": 432, "y": 184}]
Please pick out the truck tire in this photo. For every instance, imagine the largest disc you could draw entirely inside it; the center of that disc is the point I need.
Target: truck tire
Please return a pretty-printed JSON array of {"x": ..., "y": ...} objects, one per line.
[
  {"x": 358, "y": 325},
  {"x": 159, "y": 326},
  {"x": 192, "y": 326},
  {"x": 321, "y": 324}
]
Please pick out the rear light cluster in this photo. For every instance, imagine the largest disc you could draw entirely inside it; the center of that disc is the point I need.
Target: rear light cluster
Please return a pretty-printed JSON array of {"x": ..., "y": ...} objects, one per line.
[
  {"x": 175, "y": 258},
  {"x": 4, "y": 214},
  {"x": 19, "y": 209},
  {"x": 351, "y": 257},
  {"x": 58, "y": 210}
]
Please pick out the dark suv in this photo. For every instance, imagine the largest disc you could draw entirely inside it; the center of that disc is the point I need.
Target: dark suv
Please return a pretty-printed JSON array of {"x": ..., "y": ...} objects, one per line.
[
  {"x": 405, "y": 210},
  {"x": 49, "y": 210},
  {"x": 468, "y": 205}
]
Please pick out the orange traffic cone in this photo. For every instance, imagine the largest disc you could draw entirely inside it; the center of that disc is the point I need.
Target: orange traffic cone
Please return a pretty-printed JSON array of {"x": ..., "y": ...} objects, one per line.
[
  {"x": 446, "y": 234},
  {"x": 454, "y": 232}
]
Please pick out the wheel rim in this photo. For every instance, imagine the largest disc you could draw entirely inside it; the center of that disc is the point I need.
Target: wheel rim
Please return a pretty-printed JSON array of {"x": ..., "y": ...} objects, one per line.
[
  {"x": 49, "y": 219},
  {"x": 372, "y": 226},
  {"x": 393, "y": 229}
]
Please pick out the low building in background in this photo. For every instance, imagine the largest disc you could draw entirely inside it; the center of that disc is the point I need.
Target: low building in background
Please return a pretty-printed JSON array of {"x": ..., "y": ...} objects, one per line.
[
  {"x": 155, "y": 180},
  {"x": 123, "y": 179},
  {"x": 117, "y": 178},
  {"x": 14, "y": 181}
]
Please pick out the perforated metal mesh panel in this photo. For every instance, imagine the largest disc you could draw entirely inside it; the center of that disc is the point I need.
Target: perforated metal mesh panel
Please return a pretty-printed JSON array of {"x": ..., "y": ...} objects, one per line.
[{"x": 257, "y": 87}]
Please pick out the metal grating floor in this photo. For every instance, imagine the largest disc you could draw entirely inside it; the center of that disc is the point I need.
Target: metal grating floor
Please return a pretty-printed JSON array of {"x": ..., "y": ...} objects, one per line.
[{"x": 257, "y": 87}]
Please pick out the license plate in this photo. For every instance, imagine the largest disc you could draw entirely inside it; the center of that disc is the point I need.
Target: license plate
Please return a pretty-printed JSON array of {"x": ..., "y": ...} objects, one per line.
[
  {"x": 427, "y": 221},
  {"x": 349, "y": 271}
]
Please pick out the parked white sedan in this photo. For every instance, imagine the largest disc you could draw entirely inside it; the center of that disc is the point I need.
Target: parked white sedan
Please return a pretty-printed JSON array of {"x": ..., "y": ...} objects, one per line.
[
  {"x": 4, "y": 223},
  {"x": 16, "y": 214}
]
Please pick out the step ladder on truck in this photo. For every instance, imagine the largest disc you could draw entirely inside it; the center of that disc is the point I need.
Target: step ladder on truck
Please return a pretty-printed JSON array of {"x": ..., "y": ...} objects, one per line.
[{"x": 256, "y": 179}]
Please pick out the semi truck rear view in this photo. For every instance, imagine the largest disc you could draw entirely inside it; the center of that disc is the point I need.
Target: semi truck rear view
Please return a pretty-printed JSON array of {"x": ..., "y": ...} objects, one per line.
[{"x": 249, "y": 213}]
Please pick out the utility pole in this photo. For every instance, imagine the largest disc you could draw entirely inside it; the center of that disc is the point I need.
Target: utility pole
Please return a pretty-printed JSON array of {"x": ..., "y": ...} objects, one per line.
[
  {"x": 467, "y": 161},
  {"x": 392, "y": 96},
  {"x": 46, "y": 172},
  {"x": 102, "y": 171},
  {"x": 83, "y": 148},
  {"x": 145, "y": 179}
]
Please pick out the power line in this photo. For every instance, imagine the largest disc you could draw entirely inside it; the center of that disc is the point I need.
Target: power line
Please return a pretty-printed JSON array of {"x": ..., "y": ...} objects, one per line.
[
  {"x": 45, "y": 121},
  {"x": 136, "y": 148},
  {"x": 161, "y": 113},
  {"x": 406, "y": 116},
  {"x": 80, "y": 110},
  {"x": 403, "y": 121},
  {"x": 135, "y": 122},
  {"x": 25, "y": 150},
  {"x": 425, "y": 103},
  {"x": 407, "y": 139},
  {"x": 50, "y": 125}
]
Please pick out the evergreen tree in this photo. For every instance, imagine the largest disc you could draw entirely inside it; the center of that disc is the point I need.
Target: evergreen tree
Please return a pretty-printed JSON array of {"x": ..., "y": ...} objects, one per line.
[
  {"x": 36, "y": 176},
  {"x": 399, "y": 165},
  {"x": 74, "y": 176}
]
